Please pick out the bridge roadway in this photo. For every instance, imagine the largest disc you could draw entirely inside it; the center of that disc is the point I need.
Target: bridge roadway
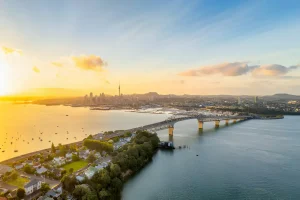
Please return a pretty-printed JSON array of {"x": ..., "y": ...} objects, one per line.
[{"x": 169, "y": 123}]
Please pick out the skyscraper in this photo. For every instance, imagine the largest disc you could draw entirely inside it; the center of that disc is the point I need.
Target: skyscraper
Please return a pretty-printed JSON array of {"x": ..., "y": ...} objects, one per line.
[
  {"x": 239, "y": 100},
  {"x": 255, "y": 99},
  {"x": 119, "y": 89}
]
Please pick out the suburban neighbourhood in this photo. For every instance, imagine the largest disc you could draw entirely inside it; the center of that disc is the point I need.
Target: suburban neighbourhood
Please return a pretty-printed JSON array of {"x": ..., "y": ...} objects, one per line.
[{"x": 39, "y": 176}]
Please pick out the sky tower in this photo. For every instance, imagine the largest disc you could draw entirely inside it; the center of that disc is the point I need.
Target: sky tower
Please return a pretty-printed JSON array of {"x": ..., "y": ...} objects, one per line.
[{"x": 119, "y": 89}]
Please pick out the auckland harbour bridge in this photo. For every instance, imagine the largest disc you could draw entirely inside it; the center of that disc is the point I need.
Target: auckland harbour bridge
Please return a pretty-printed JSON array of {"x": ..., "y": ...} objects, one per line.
[{"x": 169, "y": 123}]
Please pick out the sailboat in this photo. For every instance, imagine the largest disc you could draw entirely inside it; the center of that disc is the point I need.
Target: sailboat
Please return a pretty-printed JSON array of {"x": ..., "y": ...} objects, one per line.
[{"x": 15, "y": 148}]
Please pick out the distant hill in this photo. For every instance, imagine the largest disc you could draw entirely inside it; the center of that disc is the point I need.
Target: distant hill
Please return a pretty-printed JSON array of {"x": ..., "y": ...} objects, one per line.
[
  {"x": 282, "y": 96},
  {"x": 51, "y": 92}
]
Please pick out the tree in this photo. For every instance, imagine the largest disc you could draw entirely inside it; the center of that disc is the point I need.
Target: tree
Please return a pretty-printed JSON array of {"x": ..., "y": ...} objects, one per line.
[
  {"x": 75, "y": 157},
  {"x": 127, "y": 134},
  {"x": 91, "y": 158},
  {"x": 104, "y": 194},
  {"x": 20, "y": 193},
  {"x": 68, "y": 183},
  {"x": 115, "y": 170},
  {"x": 62, "y": 150},
  {"x": 45, "y": 188},
  {"x": 98, "y": 145},
  {"x": 90, "y": 137},
  {"x": 28, "y": 169},
  {"x": 71, "y": 170},
  {"x": 117, "y": 184},
  {"x": 81, "y": 192},
  {"x": 53, "y": 148}
]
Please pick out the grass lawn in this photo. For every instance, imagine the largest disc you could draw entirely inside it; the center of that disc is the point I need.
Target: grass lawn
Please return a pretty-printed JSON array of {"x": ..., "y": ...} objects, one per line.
[
  {"x": 76, "y": 165},
  {"x": 19, "y": 182}
]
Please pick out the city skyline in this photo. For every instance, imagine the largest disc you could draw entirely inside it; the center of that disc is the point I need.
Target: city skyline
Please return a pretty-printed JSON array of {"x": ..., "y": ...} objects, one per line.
[{"x": 174, "y": 47}]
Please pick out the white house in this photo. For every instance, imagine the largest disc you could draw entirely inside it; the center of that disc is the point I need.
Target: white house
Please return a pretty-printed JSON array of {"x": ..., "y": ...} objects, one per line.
[
  {"x": 89, "y": 172},
  {"x": 58, "y": 161},
  {"x": 32, "y": 186},
  {"x": 84, "y": 154},
  {"x": 69, "y": 155}
]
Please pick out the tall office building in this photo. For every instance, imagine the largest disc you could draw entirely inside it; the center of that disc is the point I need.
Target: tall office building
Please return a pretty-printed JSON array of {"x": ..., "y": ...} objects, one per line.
[
  {"x": 239, "y": 100},
  {"x": 119, "y": 89},
  {"x": 255, "y": 99}
]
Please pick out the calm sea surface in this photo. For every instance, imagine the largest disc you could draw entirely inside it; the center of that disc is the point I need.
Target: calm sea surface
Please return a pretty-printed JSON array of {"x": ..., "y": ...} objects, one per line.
[
  {"x": 33, "y": 123},
  {"x": 256, "y": 159}
]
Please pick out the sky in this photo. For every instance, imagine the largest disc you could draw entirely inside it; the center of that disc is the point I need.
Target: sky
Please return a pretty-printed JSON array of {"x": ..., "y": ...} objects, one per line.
[{"x": 170, "y": 47}]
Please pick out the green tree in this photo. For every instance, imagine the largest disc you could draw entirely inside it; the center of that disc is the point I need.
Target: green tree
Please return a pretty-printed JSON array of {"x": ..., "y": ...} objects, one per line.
[
  {"x": 75, "y": 157},
  {"x": 62, "y": 150},
  {"x": 53, "y": 148},
  {"x": 91, "y": 158},
  {"x": 68, "y": 183},
  {"x": 20, "y": 193},
  {"x": 115, "y": 170},
  {"x": 117, "y": 184},
  {"x": 104, "y": 194},
  {"x": 71, "y": 170},
  {"x": 81, "y": 192},
  {"x": 29, "y": 169},
  {"x": 45, "y": 188}
]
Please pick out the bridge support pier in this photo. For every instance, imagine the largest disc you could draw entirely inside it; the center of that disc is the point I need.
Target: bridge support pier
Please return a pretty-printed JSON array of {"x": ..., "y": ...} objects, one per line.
[
  {"x": 234, "y": 121},
  {"x": 200, "y": 125},
  {"x": 227, "y": 122},
  {"x": 171, "y": 129},
  {"x": 217, "y": 123}
]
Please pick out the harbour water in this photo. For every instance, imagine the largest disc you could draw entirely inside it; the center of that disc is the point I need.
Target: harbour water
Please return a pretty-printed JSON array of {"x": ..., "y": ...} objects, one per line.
[
  {"x": 256, "y": 159},
  {"x": 28, "y": 128}
]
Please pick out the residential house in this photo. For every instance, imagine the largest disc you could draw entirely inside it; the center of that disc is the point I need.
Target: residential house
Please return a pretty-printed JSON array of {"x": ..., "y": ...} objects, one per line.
[
  {"x": 4, "y": 169},
  {"x": 57, "y": 172},
  {"x": 79, "y": 178},
  {"x": 36, "y": 165},
  {"x": 28, "y": 162},
  {"x": 59, "y": 161},
  {"x": 69, "y": 155},
  {"x": 83, "y": 154},
  {"x": 32, "y": 186},
  {"x": 19, "y": 166},
  {"x": 41, "y": 170},
  {"x": 53, "y": 193},
  {"x": 89, "y": 172},
  {"x": 97, "y": 155}
]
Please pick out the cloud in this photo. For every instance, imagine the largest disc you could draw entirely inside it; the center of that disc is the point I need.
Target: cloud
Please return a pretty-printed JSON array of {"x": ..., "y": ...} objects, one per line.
[
  {"x": 240, "y": 68},
  {"x": 35, "y": 69},
  {"x": 8, "y": 50},
  {"x": 57, "y": 64},
  {"x": 225, "y": 69},
  {"x": 273, "y": 70},
  {"x": 92, "y": 62}
]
